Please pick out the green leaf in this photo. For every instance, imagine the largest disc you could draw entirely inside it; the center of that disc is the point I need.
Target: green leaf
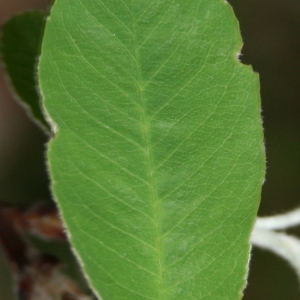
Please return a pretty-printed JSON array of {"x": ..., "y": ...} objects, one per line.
[
  {"x": 20, "y": 47},
  {"x": 158, "y": 158}
]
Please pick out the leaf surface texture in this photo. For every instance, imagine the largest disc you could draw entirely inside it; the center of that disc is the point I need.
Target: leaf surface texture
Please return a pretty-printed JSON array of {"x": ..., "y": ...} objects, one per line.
[{"x": 158, "y": 161}]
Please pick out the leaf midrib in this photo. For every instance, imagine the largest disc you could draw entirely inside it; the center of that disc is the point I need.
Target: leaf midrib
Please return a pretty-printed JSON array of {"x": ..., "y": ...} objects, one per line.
[{"x": 150, "y": 172}]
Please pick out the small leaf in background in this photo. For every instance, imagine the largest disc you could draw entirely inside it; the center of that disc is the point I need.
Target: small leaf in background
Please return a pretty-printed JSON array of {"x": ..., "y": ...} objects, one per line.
[
  {"x": 20, "y": 47},
  {"x": 158, "y": 161}
]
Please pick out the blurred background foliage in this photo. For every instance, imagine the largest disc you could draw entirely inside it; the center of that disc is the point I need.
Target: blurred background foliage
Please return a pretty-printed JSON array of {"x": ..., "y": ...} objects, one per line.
[{"x": 271, "y": 33}]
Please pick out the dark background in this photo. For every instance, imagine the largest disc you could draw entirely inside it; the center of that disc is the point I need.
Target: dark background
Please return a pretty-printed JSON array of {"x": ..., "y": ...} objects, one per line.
[{"x": 271, "y": 33}]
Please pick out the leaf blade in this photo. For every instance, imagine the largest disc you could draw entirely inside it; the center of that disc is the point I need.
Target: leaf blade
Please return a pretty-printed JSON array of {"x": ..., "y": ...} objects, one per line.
[
  {"x": 20, "y": 47},
  {"x": 166, "y": 164}
]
